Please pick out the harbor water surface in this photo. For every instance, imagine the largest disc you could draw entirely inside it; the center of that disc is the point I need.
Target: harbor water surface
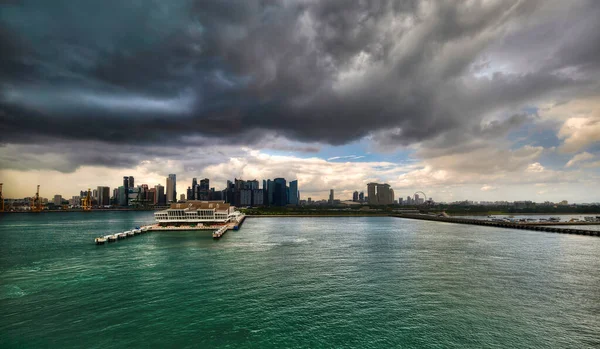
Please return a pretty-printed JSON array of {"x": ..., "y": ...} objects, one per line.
[{"x": 372, "y": 282}]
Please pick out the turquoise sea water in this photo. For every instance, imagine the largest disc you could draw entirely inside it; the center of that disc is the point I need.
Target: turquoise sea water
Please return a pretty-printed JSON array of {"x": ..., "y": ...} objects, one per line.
[{"x": 373, "y": 282}]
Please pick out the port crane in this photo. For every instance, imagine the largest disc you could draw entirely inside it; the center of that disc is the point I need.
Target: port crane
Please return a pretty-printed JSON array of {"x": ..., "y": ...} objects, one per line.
[
  {"x": 1, "y": 199},
  {"x": 36, "y": 202},
  {"x": 86, "y": 202}
]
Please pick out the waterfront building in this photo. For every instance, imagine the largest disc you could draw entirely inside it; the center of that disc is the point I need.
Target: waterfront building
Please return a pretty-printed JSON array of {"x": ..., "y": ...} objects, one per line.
[
  {"x": 199, "y": 212},
  {"x": 355, "y": 196},
  {"x": 171, "y": 192},
  {"x": 279, "y": 192},
  {"x": 380, "y": 194},
  {"x": 203, "y": 190},
  {"x": 331, "y": 197},
  {"x": 103, "y": 196},
  {"x": 131, "y": 182},
  {"x": 124, "y": 193},
  {"x": 95, "y": 194},
  {"x": 75, "y": 201},
  {"x": 361, "y": 196},
  {"x": 294, "y": 197},
  {"x": 151, "y": 196},
  {"x": 160, "y": 198},
  {"x": 57, "y": 200},
  {"x": 257, "y": 197},
  {"x": 371, "y": 188},
  {"x": 245, "y": 197}
]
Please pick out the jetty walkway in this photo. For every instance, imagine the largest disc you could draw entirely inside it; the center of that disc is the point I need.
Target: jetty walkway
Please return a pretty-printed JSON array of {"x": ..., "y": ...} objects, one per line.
[{"x": 512, "y": 225}]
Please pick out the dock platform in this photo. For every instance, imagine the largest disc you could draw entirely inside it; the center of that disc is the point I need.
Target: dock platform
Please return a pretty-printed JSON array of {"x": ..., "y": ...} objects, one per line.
[{"x": 513, "y": 225}]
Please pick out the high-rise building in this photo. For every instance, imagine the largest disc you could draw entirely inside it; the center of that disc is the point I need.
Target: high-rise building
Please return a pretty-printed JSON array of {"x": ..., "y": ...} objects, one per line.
[
  {"x": 371, "y": 188},
  {"x": 95, "y": 194},
  {"x": 257, "y": 197},
  {"x": 380, "y": 194},
  {"x": 245, "y": 197},
  {"x": 160, "y": 198},
  {"x": 361, "y": 196},
  {"x": 279, "y": 192},
  {"x": 355, "y": 196},
  {"x": 126, "y": 186},
  {"x": 131, "y": 182},
  {"x": 171, "y": 188},
  {"x": 194, "y": 188},
  {"x": 294, "y": 192},
  {"x": 151, "y": 196},
  {"x": 182, "y": 197},
  {"x": 75, "y": 201},
  {"x": 190, "y": 193},
  {"x": 103, "y": 196},
  {"x": 57, "y": 200},
  {"x": 331, "y": 197}
]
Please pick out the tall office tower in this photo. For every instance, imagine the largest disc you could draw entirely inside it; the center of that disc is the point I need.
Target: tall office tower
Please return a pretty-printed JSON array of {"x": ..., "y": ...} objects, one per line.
[
  {"x": 203, "y": 191},
  {"x": 205, "y": 184},
  {"x": 131, "y": 182},
  {"x": 257, "y": 197},
  {"x": 293, "y": 199},
  {"x": 103, "y": 196},
  {"x": 355, "y": 196},
  {"x": 95, "y": 194},
  {"x": 159, "y": 198},
  {"x": 265, "y": 189},
  {"x": 124, "y": 201},
  {"x": 384, "y": 195},
  {"x": 331, "y": 197},
  {"x": 279, "y": 192},
  {"x": 190, "y": 193},
  {"x": 253, "y": 184},
  {"x": 361, "y": 196},
  {"x": 371, "y": 188},
  {"x": 151, "y": 196},
  {"x": 172, "y": 188},
  {"x": 57, "y": 200},
  {"x": 194, "y": 188}
]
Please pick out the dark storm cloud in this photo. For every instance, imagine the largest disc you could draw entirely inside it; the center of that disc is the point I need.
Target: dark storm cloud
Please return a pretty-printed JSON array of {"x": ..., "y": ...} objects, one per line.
[{"x": 158, "y": 73}]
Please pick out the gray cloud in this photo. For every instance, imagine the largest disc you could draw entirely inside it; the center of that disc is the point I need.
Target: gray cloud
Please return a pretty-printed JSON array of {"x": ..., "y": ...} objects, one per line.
[{"x": 195, "y": 73}]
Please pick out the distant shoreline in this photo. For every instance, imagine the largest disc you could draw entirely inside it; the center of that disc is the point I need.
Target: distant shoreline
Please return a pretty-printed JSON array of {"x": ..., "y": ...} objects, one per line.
[{"x": 318, "y": 215}]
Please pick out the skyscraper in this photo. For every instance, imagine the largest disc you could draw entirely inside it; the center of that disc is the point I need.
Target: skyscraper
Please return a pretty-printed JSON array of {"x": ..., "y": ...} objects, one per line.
[
  {"x": 361, "y": 196},
  {"x": 160, "y": 198},
  {"x": 123, "y": 201},
  {"x": 131, "y": 185},
  {"x": 331, "y": 197},
  {"x": 103, "y": 196},
  {"x": 371, "y": 188},
  {"x": 293, "y": 192},
  {"x": 279, "y": 192},
  {"x": 171, "y": 188},
  {"x": 380, "y": 194},
  {"x": 194, "y": 188},
  {"x": 355, "y": 196}
]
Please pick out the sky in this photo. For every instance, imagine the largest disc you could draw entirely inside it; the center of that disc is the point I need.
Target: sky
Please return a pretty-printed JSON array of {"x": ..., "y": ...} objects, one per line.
[{"x": 480, "y": 99}]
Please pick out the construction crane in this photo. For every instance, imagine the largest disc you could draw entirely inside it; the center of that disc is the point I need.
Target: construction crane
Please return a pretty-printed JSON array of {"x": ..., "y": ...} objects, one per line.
[
  {"x": 36, "y": 202},
  {"x": 1, "y": 199},
  {"x": 86, "y": 202}
]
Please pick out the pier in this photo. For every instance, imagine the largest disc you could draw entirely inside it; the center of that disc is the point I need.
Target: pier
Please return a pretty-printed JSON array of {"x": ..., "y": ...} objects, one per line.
[
  {"x": 120, "y": 236},
  {"x": 218, "y": 230},
  {"x": 538, "y": 226}
]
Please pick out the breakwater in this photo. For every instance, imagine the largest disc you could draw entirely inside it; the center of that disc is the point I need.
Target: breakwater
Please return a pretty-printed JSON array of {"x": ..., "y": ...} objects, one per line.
[{"x": 511, "y": 225}]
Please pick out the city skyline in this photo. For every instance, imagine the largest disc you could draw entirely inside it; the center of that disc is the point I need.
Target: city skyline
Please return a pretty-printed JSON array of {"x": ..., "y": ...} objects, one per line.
[{"x": 495, "y": 100}]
